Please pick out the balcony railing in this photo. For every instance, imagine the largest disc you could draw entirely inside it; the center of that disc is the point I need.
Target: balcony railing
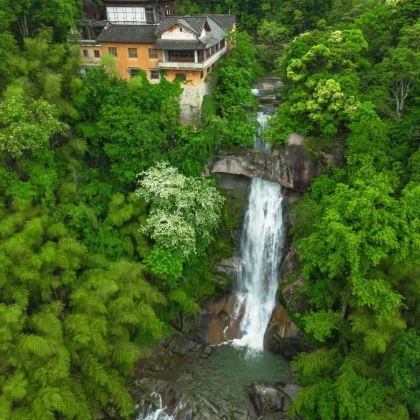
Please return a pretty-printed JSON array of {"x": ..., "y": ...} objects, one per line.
[
  {"x": 192, "y": 65},
  {"x": 181, "y": 59}
]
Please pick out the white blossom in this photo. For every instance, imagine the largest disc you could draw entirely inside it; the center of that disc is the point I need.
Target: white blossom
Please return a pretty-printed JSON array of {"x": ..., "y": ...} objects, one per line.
[{"x": 184, "y": 211}]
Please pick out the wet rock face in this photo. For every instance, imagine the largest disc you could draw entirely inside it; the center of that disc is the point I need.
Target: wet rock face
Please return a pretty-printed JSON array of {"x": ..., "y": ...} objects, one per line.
[
  {"x": 282, "y": 335},
  {"x": 220, "y": 320},
  {"x": 230, "y": 266}
]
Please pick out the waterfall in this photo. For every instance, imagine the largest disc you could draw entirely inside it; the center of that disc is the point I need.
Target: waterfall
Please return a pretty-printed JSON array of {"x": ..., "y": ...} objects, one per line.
[
  {"x": 261, "y": 246},
  {"x": 160, "y": 413},
  {"x": 259, "y": 144}
]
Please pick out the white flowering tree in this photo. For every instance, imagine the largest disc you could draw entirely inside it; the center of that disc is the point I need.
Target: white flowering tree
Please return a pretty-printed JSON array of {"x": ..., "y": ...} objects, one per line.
[{"x": 184, "y": 214}]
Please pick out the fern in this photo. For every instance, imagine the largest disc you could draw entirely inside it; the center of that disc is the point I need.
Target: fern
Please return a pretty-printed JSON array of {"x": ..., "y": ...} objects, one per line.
[{"x": 315, "y": 365}]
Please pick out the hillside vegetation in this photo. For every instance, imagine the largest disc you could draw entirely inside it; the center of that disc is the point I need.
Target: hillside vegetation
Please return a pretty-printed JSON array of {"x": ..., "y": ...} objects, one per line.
[{"x": 109, "y": 235}]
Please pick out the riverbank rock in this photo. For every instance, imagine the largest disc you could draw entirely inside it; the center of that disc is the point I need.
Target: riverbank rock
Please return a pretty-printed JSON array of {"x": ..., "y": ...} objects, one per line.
[
  {"x": 154, "y": 394},
  {"x": 269, "y": 400},
  {"x": 220, "y": 320},
  {"x": 282, "y": 335},
  {"x": 182, "y": 345}
]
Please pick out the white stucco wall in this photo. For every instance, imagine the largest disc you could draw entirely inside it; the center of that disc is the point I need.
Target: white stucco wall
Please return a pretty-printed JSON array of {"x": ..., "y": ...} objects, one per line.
[{"x": 176, "y": 33}]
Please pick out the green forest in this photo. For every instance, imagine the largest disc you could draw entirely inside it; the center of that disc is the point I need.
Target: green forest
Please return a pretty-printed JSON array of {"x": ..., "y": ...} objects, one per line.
[{"x": 109, "y": 235}]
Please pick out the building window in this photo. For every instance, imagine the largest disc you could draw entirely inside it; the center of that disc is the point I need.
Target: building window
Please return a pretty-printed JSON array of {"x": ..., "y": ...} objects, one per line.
[
  {"x": 153, "y": 53},
  {"x": 201, "y": 74},
  {"x": 132, "y": 52},
  {"x": 181, "y": 76},
  {"x": 181, "y": 29},
  {"x": 119, "y": 14},
  {"x": 154, "y": 74},
  {"x": 150, "y": 15},
  {"x": 113, "y": 51},
  {"x": 86, "y": 53},
  {"x": 97, "y": 53},
  {"x": 133, "y": 71},
  {"x": 222, "y": 43}
]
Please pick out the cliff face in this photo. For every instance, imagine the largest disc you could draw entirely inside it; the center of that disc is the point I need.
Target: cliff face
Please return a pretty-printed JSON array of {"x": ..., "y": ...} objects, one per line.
[{"x": 291, "y": 166}]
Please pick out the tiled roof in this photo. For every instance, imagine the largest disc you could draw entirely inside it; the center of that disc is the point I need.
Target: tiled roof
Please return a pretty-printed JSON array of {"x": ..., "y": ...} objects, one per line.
[
  {"x": 226, "y": 22},
  {"x": 216, "y": 34},
  {"x": 194, "y": 23},
  {"x": 128, "y": 33},
  {"x": 179, "y": 44}
]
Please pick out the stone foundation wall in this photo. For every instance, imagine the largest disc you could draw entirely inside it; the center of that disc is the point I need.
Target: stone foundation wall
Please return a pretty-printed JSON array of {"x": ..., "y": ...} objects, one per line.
[{"x": 191, "y": 101}]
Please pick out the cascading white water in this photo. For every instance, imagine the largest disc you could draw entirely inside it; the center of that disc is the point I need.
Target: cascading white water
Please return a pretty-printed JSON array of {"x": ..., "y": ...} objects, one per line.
[
  {"x": 259, "y": 143},
  {"x": 160, "y": 413},
  {"x": 261, "y": 246}
]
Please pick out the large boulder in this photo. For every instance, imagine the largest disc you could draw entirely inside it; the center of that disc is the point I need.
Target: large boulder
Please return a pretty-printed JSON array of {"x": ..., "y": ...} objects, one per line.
[
  {"x": 182, "y": 345},
  {"x": 282, "y": 335},
  {"x": 220, "y": 320},
  {"x": 269, "y": 400}
]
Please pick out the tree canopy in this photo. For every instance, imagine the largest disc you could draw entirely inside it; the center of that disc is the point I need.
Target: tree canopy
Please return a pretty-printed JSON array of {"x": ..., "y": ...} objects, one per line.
[{"x": 109, "y": 235}]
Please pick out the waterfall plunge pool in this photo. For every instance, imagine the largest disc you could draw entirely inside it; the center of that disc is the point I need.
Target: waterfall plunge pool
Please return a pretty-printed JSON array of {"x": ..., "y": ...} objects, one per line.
[{"x": 222, "y": 380}]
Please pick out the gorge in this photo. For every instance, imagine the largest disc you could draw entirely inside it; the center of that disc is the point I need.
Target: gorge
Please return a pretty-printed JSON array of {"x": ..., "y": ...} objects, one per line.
[{"x": 236, "y": 377}]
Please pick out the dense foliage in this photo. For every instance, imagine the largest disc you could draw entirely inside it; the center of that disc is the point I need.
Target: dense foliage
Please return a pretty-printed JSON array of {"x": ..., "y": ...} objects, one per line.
[
  {"x": 94, "y": 274},
  {"x": 353, "y": 84},
  {"x": 109, "y": 235}
]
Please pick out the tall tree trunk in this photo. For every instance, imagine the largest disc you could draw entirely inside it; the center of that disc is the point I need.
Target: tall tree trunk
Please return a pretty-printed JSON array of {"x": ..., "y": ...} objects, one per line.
[
  {"x": 400, "y": 92},
  {"x": 23, "y": 26}
]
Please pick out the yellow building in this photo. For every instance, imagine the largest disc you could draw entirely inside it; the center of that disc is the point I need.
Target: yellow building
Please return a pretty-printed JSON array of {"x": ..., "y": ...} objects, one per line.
[{"x": 145, "y": 36}]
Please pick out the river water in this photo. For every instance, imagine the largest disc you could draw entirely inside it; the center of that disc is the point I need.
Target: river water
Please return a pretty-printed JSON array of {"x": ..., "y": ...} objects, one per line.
[{"x": 243, "y": 361}]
